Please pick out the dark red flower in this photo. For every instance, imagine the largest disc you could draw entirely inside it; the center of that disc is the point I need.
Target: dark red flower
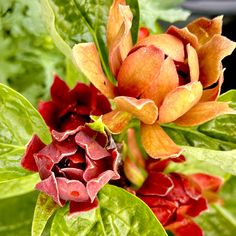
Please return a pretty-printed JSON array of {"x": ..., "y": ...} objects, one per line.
[
  {"x": 175, "y": 198},
  {"x": 68, "y": 109},
  {"x": 74, "y": 167}
]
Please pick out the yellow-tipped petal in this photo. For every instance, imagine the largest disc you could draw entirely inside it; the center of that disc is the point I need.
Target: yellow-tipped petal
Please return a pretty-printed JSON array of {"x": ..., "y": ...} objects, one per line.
[
  {"x": 116, "y": 121},
  {"x": 157, "y": 143},
  {"x": 204, "y": 112},
  {"x": 169, "y": 44},
  {"x": 179, "y": 101},
  {"x": 210, "y": 56},
  {"x": 143, "y": 109},
  {"x": 87, "y": 59},
  {"x": 164, "y": 83},
  {"x": 119, "y": 38},
  {"x": 193, "y": 63}
]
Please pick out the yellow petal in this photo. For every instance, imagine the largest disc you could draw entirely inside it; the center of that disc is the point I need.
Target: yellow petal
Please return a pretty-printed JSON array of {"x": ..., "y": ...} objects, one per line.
[
  {"x": 157, "y": 143},
  {"x": 164, "y": 83},
  {"x": 179, "y": 101},
  {"x": 169, "y": 44},
  {"x": 116, "y": 121},
  {"x": 139, "y": 70},
  {"x": 143, "y": 109},
  {"x": 210, "y": 56},
  {"x": 87, "y": 59},
  {"x": 205, "y": 28},
  {"x": 119, "y": 38},
  {"x": 204, "y": 112},
  {"x": 193, "y": 63}
]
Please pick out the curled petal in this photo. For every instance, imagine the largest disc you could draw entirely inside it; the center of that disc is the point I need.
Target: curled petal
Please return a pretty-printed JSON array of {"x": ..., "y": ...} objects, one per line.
[
  {"x": 144, "y": 109},
  {"x": 204, "y": 112},
  {"x": 193, "y": 63},
  {"x": 119, "y": 38},
  {"x": 72, "y": 190},
  {"x": 28, "y": 161},
  {"x": 163, "y": 83},
  {"x": 205, "y": 29},
  {"x": 73, "y": 173},
  {"x": 134, "y": 77},
  {"x": 49, "y": 186},
  {"x": 157, "y": 143},
  {"x": 44, "y": 164},
  {"x": 157, "y": 183},
  {"x": 169, "y": 44},
  {"x": 92, "y": 148},
  {"x": 184, "y": 35},
  {"x": 179, "y": 101},
  {"x": 210, "y": 56},
  {"x": 87, "y": 59},
  {"x": 197, "y": 207},
  {"x": 61, "y": 136},
  {"x": 77, "y": 208},
  {"x": 116, "y": 121}
]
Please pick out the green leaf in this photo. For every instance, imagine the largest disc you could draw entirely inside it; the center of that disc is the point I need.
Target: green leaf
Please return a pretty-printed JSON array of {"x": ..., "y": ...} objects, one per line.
[
  {"x": 230, "y": 97},
  {"x": 119, "y": 213},
  {"x": 153, "y": 10},
  {"x": 16, "y": 215},
  {"x": 97, "y": 125},
  {"x": 18, "y": 186},
  {"x": 44, "y": 209},
  {"x": 74, "y": 21}
]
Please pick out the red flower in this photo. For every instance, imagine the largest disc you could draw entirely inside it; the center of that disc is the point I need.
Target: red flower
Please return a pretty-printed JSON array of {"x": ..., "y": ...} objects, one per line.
[
  {"x": 70, "y": 108},
  {"x": 175, "y": 198},
  {"x": 74, "y": 167}
]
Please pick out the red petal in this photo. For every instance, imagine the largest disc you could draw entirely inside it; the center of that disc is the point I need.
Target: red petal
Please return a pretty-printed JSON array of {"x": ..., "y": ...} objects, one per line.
[
  {"x": 44, "y": 164},
  {"x": 34, "y": 146},
  {"x": 197, "y": 207}
]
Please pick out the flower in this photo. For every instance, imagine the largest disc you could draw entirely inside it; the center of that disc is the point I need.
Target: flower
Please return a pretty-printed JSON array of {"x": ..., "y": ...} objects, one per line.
[
  {"x": 171, "y": 77},
  {"x": 176, "y": 198},
  {"x": 74, "y": 167},
  {"x": 70, "y": 108}
]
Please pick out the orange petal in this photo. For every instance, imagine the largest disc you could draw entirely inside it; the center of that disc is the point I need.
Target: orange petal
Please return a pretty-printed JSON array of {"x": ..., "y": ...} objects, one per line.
[
  {"x": 164, "y": 83},
  {"x": 169, "y": 44},
  {"x": 119, "y": 38},
  {"x": 204, "y": 112},
  {"x": 210, "y": 56},
  {"x": 157, "y": 143},
  {"x": 213, "y": 93},
  {"x": 116, "y": 121},
  {"x": 179, "y": 101},
  {"x": 87, "y": 59},
  {"x": 184, "y": 35},
  {"x": 193, "y": 63},
  {"x": 139, "y": 70},
  {"x": 205, "y": 28},
  {"x": 144, "y": 109}
]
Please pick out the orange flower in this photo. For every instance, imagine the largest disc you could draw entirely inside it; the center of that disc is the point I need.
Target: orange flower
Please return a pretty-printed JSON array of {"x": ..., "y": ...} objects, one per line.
[{"x": 171, "y": 77}]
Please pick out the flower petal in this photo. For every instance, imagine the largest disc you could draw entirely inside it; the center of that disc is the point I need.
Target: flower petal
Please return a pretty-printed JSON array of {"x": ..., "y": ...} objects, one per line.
[
  {"x": 169, "y": 44},
  {"x": 61, "y": 136},
  {"x": 92, "y": 148},
  {"x": 204, "y": 112},
  {"x": 157, "y": 143},
  {"x": 77, "y": 208},
  {"x": 116, "y": 121},
  {"x": 164, "y": 83},
  {"x": 193, "y": 63},
  {"x": 144, "y": 109},
  {"x": 210, "y": 56},
  {"x": 44, "y": 164},
  {"x": 184, "y": 35},
  {"x": 135, "y": 76},
  {"x": 179, "y": 101},
  {"x": 28, "y": 161},
  {"x": 87, "y": 59},
  {"x": 205, "y": 29},
  {"x": 119, "y": 38},
  {"x": 49, "y": 187},
  {"x": 72, "y": 190}
]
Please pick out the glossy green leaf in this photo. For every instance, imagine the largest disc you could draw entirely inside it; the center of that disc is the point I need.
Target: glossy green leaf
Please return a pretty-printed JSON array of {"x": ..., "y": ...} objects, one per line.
[
  {"x": 44, "y": 209},
  {"x": 230, "y": 97},
  {"x": 119, "y": 213},
  {"x": 17, "y": 214},
  {"x": 74, "y": 21}
]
